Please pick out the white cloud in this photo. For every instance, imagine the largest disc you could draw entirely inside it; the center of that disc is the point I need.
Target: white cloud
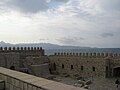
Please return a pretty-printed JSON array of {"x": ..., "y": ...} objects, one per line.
[
  {"x": 31, "y": 6},
  {"x": 64, "y": 20},
  {"x": 105, "y": 35},
  {"x": 70, "y": 40}
]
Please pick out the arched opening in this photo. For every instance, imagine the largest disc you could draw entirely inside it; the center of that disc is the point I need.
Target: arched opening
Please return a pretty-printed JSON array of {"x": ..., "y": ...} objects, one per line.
[
  {"x": 116, "y": 72},
  {"x": 12, "y": 67}
]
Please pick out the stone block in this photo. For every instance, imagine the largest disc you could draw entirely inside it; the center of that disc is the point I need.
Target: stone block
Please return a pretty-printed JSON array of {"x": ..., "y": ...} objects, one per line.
[
  {"x": 25, "y": 87},
  {"x": 11, "y": 87},
  {"x": 13, "y": 81},
  {"x": 86, "y": 87},
  {"x": 35, "y": 88},
  {"x": 2, "y": 85},
  {"x": 21, "y": 85},
  {"x": 16, "y": 83},
  {"x": 2, "y": 76},
  {"x": 7, "y": 85},
  {"x": 14, "y": 88},
  {"x": 18, "y": 89},
  {"x": 88, "y": 82},
  {"x": 9, "y": 80},
  {"x": 30, "y": 87},
  {"x": 58, "y": 86}
]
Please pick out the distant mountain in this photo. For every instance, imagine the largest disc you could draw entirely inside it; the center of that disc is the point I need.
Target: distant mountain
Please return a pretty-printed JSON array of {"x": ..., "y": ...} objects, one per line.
[
  {"x": 50, "y": 49},
  {"x": 47, "y": 46},
  {"x": 3, "y": 44}
]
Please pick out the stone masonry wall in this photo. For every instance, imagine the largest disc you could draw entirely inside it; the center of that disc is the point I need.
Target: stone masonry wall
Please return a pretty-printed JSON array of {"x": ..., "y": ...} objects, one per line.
[
  {"x": 9, "y": 59},
  {"x": 14, "y": 56},
  {"x": 83, "y": 64}
]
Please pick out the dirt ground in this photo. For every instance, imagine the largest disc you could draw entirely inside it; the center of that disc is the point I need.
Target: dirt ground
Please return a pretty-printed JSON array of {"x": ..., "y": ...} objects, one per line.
[{"x": 96, "y": 83}]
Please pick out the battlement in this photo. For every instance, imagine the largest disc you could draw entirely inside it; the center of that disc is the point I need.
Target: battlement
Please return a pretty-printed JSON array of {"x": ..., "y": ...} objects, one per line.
[
  {"x": 88, "y": 54},
  {"x": 3, "y": 49}
]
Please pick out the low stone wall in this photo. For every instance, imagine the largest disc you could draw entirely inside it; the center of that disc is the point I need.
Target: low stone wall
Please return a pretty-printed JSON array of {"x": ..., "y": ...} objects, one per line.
[
  {"x": 20, "y": 81},
  {"x": 2, "y": 85}
]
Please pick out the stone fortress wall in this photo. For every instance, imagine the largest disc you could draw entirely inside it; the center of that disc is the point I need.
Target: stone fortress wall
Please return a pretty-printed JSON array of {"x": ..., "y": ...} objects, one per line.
[
  {"x": 32, "y": 59},
  {"x": 10, "y": 59},
  {"x": 26, "y": 50},
  {"x": 86, "y": 64},
  {"x": 12, "y": 56}
]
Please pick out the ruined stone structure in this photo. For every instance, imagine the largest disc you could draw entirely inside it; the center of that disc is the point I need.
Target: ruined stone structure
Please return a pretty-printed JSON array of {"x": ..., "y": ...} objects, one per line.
[
  {"x": 13, "y": 58},
  {"x": 86, "y": 64},
  {"x": 38, "y": 66}
]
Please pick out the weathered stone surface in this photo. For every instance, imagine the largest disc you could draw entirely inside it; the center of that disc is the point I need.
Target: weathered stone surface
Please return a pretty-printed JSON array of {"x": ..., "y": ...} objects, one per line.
[
  {"x": 2, "y": 84},
  {"x": 88, "y": 82},
  {"x": 31, "y": 82},
  {"x": 85, "y": 65}
]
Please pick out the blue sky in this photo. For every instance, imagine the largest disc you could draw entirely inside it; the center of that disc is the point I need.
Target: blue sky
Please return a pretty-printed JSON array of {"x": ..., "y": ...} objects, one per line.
[{"x": 94, "y": 23}]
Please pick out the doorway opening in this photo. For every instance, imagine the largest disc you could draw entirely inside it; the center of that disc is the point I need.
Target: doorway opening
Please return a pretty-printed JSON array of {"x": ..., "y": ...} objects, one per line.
[
  {"x": 116, "y": 72},
  {"x": 54, "y": 65}
]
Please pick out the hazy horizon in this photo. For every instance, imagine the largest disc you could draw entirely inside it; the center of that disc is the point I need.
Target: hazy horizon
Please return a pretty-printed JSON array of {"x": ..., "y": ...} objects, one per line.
[
  {"x": 88, "y": 23},
  {"x": 2, "y": 43}
]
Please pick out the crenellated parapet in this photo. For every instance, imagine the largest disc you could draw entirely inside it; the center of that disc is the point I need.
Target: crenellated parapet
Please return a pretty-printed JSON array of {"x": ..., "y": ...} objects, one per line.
[
  {"x": 87, "y": 54},
  {"x": 19, "y": 49}
]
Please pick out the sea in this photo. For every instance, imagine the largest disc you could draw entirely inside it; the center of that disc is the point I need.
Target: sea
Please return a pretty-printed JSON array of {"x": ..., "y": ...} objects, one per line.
[{"x": 90, "y": 50}]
